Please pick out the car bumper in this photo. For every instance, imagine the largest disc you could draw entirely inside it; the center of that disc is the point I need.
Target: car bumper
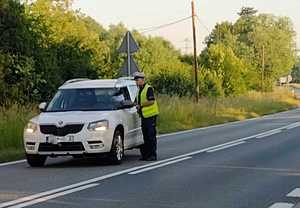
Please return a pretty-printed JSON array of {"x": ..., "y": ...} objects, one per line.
[{"x": 85, "y": 142}]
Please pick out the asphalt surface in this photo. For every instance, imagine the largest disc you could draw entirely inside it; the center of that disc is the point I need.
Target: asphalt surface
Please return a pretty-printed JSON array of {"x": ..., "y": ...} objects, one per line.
[{"x": 254, "y": 163}]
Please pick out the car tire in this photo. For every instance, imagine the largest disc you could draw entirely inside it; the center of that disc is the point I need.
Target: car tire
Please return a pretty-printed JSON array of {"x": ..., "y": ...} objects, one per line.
[
  {"x": 36, "y": 160},
  {"x": 117, "y": 149}
]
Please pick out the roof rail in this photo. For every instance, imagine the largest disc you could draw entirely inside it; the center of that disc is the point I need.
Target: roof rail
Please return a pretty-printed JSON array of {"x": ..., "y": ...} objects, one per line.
[
  {"x": 122, "y": 79},
  {"x": 125, "y": 78},
  {"x": 75, "y": 80}
]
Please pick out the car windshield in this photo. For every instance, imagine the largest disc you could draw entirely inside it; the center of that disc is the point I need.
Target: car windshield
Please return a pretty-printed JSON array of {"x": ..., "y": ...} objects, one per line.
[{"x": 97, "y": 99}]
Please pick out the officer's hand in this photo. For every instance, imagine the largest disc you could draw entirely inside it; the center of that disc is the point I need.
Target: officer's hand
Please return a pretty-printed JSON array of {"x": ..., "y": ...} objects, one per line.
[{"x": 138, "y": 107}]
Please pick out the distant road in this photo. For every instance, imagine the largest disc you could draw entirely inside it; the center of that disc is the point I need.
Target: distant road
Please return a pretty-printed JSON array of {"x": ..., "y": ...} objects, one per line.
[{"x": 249, "y": 164}]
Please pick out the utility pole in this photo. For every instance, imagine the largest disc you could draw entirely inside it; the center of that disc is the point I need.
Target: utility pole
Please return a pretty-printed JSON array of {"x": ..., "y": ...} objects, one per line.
[
  {"x": 195, "y": 51},
  {"x": 263, "y": 68}
]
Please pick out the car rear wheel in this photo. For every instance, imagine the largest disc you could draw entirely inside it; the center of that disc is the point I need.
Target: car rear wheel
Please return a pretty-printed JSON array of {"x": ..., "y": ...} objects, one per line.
[
  {"x": 117, "y": 150},
  {"x": 36, "y": 160}
]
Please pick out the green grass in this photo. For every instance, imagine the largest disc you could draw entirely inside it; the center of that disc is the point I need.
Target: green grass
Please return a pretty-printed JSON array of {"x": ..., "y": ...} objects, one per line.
[
  {"x": 175, "y": 114},
  {"x": 178, "y": 114},
  {"x": 12, "y": 122}
]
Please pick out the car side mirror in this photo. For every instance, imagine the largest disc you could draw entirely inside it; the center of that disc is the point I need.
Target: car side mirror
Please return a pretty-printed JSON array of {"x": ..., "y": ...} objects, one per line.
[
  {"x": 127, "y": 104},
  {"x": 43, "y": 106}
]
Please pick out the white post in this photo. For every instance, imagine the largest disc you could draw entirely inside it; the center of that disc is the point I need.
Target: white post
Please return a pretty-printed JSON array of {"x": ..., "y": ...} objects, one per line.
[{"x": 128, "y": 54}]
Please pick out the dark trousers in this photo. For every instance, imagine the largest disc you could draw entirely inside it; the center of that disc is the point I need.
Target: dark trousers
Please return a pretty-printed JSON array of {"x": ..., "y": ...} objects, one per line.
[{"x": 150, "y": 141}]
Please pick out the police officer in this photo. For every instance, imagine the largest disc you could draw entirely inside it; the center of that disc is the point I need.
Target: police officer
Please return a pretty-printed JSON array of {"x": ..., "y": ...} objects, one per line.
[{"x": 148, "y": 111}]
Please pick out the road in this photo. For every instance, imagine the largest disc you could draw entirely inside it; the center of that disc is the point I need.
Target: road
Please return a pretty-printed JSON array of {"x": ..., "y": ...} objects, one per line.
[{"x": 249, "y": 164}]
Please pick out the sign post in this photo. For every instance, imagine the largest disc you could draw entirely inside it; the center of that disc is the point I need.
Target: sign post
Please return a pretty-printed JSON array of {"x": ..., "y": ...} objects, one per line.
[{"x": 129, "y": 46}]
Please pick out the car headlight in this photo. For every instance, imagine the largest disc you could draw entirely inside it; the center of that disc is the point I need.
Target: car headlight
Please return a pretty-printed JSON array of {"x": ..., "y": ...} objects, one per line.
[
  {"x": 98, "y": 125},
  {"x": 31, "y": 127}
]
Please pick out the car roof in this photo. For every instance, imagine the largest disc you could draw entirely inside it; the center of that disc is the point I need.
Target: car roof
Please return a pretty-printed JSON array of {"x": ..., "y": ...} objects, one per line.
[{"x": 99, "y": 83}]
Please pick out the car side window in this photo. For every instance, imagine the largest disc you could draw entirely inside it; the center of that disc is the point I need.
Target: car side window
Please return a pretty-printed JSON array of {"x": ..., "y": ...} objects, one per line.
[
  {"x": 125, "y": 93},
  {"x": 133, "y": 92}
]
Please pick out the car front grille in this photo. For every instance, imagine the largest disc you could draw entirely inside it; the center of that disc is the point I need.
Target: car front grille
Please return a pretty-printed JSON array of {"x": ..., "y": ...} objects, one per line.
[
  {"x": 61, "y": 147},
  {"x": 61, "y": 131}
]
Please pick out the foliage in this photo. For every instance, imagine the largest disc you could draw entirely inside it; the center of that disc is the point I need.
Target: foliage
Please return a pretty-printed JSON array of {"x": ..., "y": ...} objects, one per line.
[
  {"x": 173, "y": 84},
  {"x": 296, "y": 71},
  {"x": 50, "y": 43},
  {"x": 246, "y": 38},
  {"x": 45, "y": 42},
  {"x": 226, "y": 68}
]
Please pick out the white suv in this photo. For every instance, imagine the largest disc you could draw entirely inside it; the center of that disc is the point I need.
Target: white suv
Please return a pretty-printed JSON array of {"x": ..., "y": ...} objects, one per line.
[{"x": 85, "y": 118}]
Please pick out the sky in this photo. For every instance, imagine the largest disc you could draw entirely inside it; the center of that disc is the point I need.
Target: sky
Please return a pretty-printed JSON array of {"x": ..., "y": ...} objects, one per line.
[{"x": 140, "y": 14}]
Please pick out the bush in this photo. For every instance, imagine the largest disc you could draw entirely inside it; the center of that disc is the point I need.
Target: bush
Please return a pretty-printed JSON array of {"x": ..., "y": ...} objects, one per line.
[{"x": 173, "y": 84}]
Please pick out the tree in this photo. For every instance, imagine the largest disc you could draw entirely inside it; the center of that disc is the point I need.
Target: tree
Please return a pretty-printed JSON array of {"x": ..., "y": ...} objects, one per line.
[
  {"x": 276, "y": 36},
  {"x": 247, "y": 11},
  {"x": 248, "y": 36},
  {"x": 228, "y": 67},
  {"x": 44, "y": 43},
  {"x": 224, "y": 33},
  {"x": 296, "y": 71},
  {"x": 211, "y": 86}
]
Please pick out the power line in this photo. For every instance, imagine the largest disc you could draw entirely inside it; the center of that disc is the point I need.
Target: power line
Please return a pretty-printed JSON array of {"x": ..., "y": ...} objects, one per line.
[
  {"x": 150, "y": 29},
  {"x": 202, "y": 23}
]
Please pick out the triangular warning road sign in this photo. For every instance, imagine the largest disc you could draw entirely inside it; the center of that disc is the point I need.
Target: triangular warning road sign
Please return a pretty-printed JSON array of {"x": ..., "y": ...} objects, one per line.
[
  {"x": 128, "y": 44},
  {"x": 133, "y": 67}
]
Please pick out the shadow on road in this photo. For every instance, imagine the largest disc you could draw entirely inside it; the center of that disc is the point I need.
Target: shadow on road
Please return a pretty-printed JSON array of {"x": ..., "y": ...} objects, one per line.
[{"x": 70, "y": 162}]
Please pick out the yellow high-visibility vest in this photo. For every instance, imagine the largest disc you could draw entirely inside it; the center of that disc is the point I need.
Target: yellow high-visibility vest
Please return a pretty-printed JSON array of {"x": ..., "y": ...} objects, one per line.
[{"x": 151, "y": 110}]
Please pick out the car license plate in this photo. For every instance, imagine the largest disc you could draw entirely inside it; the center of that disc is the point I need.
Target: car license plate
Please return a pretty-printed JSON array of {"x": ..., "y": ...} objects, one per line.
[
  {"x": 61, "y": 139},
  {"x": 56, "y": 140}
]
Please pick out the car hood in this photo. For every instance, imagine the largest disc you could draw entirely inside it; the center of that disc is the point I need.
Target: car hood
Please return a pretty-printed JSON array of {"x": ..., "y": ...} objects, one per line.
[{"x": 62, "y": 118}]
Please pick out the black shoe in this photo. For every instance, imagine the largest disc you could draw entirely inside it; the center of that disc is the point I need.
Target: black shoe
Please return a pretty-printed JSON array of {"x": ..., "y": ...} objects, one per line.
[{"x": 151, "y": 159}]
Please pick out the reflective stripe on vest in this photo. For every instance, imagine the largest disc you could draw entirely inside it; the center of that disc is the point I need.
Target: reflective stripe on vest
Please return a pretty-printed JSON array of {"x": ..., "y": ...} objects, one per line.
[{"x": 151, "y": 110}]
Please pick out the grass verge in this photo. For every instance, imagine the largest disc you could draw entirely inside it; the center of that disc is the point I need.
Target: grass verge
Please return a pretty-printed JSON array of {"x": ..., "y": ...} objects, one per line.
[
  {"x": 176, "y": 114},
  {"x": 12, "y": 122}
]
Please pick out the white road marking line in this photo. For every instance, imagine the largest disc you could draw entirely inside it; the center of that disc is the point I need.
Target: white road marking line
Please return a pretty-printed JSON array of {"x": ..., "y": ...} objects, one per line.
[
  {"x": 269, "y": 134},
  {"x": 294, "y": 193},
  {"x": 292, "y": 126},
  {"x": 226, "y": 147},
  {"x": 202, "y": 128},
  {"x": 40, "y": 200},
  {"x": 39, "y": 195},
  {"x": 158, "y": 166},
  {"x": 214, "y": 126},
  {"x": 93, "y": 180},
  {"x": 12, "y": 163},
  {"x": 282, "y": 205}
]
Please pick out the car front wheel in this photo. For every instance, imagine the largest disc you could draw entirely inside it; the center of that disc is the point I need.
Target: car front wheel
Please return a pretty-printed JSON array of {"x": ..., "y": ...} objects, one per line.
[
  {"x": 36, "y": 160},
  {"x": 117, "y": 150}
]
